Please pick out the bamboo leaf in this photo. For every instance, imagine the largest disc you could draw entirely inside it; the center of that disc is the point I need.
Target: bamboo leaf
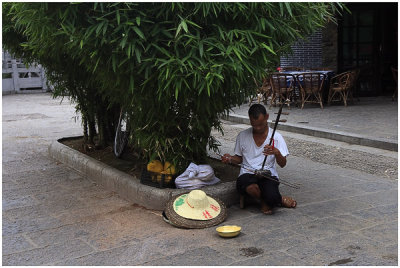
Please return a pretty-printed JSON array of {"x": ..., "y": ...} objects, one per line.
[
  {"x": 201, "y": 49},
  {"x": 268, "y": 48},
  {"x": 138, "y": 32}
]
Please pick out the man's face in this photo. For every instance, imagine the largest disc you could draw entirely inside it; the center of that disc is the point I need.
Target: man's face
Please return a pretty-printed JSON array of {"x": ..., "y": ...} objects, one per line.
[{"x": 260, "y": 124}]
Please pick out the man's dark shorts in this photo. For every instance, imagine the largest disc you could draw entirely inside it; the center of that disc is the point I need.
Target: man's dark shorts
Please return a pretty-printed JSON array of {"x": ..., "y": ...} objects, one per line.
[{"x": 269, "y": 188}]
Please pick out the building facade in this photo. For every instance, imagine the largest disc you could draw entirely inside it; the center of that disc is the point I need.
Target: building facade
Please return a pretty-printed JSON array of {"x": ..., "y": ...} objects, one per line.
[{"x": 365, "y": 39}]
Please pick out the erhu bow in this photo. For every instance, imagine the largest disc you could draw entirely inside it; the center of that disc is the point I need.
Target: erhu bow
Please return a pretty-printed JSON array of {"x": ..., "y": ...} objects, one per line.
[{"x": 277, "y": 120}]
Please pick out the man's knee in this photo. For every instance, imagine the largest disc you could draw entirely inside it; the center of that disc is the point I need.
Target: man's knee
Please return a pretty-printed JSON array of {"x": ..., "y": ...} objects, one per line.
[{"x": 253, "y": 190}]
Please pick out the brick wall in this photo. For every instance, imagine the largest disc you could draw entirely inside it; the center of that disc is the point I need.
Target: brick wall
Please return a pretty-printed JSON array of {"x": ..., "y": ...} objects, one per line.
[
  {"x": 306, "y": 53},
  {"x": 319, "y": 50}
]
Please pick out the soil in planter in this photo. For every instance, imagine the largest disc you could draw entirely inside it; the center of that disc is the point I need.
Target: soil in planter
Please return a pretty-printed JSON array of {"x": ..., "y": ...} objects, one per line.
[{"x": 133, "y": 165}]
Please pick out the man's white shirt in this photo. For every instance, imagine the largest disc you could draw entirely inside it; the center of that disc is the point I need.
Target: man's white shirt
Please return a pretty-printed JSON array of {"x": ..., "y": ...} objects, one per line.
[{"x": 252, "y": 155}]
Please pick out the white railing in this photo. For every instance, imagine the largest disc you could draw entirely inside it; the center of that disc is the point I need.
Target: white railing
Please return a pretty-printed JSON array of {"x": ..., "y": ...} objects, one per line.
[{"x": 17, "y": 78}]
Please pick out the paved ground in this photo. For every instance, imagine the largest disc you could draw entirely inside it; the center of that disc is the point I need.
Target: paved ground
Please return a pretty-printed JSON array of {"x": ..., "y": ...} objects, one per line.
[
  {"x": 346, "y": 214},
  {"x": 374, "y": 117}
]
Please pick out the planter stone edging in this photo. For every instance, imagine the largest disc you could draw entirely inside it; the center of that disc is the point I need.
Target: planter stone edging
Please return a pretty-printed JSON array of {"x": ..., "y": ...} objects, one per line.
[{"x": 127, "y": 186}]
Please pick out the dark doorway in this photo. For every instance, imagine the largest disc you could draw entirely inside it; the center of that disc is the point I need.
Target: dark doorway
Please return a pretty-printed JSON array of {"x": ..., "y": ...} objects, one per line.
[{"x": 368, "y": 41}]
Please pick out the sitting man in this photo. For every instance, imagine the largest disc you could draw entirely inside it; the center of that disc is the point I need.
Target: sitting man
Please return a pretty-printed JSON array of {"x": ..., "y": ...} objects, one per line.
[{"x": 252, "y": 145}]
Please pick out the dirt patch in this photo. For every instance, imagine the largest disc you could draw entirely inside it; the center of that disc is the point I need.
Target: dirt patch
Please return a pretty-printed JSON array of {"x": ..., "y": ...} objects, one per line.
[
  {"x": 133, "y": 165},
  {"x": 251, "y": 252}
]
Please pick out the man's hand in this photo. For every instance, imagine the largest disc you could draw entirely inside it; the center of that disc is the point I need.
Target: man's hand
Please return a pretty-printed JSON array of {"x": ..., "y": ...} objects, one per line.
[
  {"x": 226, "y": 158},
  {"x": 271, "y": 150},
  {"x": 231, "y": 159}
]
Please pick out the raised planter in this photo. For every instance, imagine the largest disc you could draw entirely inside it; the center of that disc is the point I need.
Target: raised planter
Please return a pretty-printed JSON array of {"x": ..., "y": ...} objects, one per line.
[{"x": 127, "y": 186}]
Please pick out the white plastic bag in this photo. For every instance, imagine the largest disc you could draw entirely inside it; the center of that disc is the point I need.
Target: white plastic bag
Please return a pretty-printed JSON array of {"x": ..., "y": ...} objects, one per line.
[{"x": 196, "y": 176}]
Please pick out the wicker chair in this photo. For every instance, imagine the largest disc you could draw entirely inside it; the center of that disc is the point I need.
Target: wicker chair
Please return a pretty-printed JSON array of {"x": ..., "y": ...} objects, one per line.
[
  {"x": 282, "y": 87},
  {"x": 263, "y": 91},
  {"x": 311, "y": 85},
  {"x": 394, "y": 72},
  {"x": 340, "y": 87},
  {"x": 355, "y": 73}
]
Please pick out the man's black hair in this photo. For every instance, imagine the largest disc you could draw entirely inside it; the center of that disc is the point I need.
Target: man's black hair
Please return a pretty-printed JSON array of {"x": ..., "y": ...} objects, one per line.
[{"x": 257, "y": 109}]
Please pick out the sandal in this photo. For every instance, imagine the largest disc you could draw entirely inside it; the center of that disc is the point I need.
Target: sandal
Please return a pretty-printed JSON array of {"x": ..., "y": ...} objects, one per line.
[{"x": 288, "y": 202}]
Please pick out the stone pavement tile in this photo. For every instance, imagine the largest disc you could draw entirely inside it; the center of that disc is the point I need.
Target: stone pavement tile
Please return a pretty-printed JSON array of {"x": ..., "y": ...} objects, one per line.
[
  {"x": 28, "y": 212},
  {"x": 179, "y": 240},
  {"x": 133, "y": 254},
  {"x": 251, "y": 245},
  {"x": 41, "y": 161},
  {"x": 49, "y": 255},
  {"x": 99, "y": 233},
  {"x": 32, "y": 191},
  {"x": 325, "y": 194},
  {"x": 92, "y": 208},
  {"x": 60, "y": 172},
  {"x": 376, "y": 186},
  {"x": 92, "y": 191},
  {"x": 78, "y": 182},
  {"x": 340, "y": 249},
  {"x": 331, "y": 207},
  {"x": 22, "y": 201},
  {"x": 15, "y": 243},
  {"x": 324, "y": 182},
  {"x": 234, "y": 212},
  {"x": 374, "y": 258},
  {"x": 326, "y": 227},
  {"x": 361, "y": 176},
  {"x": 357, "y": 222},
  {"x": 378, "y": 214},
  {"x": 14, "y": 167},
  {"x": 63, "y": 204},
  {"x": 26, "y": 182},
  {"x": 28, "y": 224},
  {"x": 204, "y": 256},
  {"x": 272, "y": 258},
  {"x": 31, "y": 175},
  {"x": 260, "y": 223},
  {"x": 386, "y": 232},
  {"x": 380, "y": 198},
  {"x": 134, "y": 220},
  {"x": 11, "y": 154},
  {"x": 64, "y": 193}
]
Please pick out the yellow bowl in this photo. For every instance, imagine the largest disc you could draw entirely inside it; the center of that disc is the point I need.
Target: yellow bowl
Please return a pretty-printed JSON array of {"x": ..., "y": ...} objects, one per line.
[{"x": 229, "y": 230}]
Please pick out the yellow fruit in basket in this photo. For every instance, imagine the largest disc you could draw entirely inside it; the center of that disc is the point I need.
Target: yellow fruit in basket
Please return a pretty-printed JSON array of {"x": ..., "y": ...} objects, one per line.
[
  {"x": 159, "y": 177},
  {"x": 168, "y": 179},
  {"x": 155, "y": 166},
  {"x": 169, "y": 168}
]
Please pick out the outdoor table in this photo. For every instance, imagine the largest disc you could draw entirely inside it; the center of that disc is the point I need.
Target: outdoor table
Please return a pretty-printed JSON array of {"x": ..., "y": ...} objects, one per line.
[{"x": 329, "y": 74}]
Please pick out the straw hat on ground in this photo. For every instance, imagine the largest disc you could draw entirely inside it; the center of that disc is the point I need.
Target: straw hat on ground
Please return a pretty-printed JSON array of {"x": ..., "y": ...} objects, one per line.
[{"x": 195, "y": 209}]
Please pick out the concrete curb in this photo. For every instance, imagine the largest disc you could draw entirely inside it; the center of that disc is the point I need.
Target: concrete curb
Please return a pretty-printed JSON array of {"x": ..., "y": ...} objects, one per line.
[
  {"x": 127, "y": 186},
  {"x": 385, "y": 144}
]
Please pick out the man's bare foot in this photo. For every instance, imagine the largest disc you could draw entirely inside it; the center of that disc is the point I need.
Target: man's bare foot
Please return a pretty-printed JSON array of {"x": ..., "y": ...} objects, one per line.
[
  {"x": 288, "y": 202},
  {"x": 267, "y": 210}
]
